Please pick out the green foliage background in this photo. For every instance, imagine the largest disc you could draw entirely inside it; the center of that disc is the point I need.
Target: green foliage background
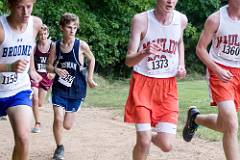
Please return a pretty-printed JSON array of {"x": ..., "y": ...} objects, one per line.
[{"x": 105, "y": 26}]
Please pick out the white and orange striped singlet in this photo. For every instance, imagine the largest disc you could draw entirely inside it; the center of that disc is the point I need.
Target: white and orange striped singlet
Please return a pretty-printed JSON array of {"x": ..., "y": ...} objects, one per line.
[
  {"x": 167, "y": 37},
  {"x": 225, "y": 47}
]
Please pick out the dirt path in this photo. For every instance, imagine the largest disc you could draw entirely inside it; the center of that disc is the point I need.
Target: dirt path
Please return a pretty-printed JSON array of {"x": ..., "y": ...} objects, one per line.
[{"x": 99, "y": 134}]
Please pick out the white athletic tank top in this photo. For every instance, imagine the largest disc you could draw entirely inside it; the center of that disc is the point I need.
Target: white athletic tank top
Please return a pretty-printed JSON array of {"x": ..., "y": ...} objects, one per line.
[
  {"x": 225, "y": 47},
  {"x": 165, "y": 64},
  {"x": 15, "y": 46}
]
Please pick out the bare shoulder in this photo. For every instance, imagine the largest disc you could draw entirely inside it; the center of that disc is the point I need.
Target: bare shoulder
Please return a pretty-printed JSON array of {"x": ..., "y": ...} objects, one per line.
[
  {"x": 53, "y": 44},
  {"x": 184, "y": 20},
  {"x": 52, "y": 47},
  {"x": 84, "y": 46},
  {"x": 213, "y": 21},
  {"x": 140, "y": 19},
  {"x": 37, "y": 23},
  {"x": 1, "y": 33},
  {"x": 139, "y": 25}
]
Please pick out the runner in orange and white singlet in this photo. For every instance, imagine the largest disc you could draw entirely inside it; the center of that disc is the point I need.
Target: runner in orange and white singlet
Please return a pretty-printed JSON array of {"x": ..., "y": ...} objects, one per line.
[
  {"x": 156, "y": 52},
  {"x": 223, "y": 63}
]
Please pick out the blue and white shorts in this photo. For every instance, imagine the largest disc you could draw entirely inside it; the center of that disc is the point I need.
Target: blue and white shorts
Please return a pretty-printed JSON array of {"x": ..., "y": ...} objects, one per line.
[
  {"x": 69, "y": 105},
  {"x": 21, "y": 98}
]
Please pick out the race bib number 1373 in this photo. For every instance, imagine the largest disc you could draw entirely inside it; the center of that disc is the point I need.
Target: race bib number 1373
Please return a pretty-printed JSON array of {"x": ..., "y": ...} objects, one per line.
[{"x": 159, "y": 65}]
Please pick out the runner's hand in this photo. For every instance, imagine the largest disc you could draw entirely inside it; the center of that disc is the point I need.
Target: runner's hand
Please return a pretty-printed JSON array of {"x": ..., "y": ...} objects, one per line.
[
  {"x": 91, "y": 83},
  {"x": 35, "y": 76},
  {"x": 224, "y": 75},
  {"x": 51, "y": 75},
  {"x": 61, "y": 72},
  {"x": 151, "y": 49},
  {"x": 181, "y": 73},
  {"x": 19, "y": 66}
]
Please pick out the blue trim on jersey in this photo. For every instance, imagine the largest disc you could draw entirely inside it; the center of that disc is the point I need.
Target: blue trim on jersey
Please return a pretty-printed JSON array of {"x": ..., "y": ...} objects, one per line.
[
  {"x": 21, "y": 98},
  {"x": 70, "y": 62}
]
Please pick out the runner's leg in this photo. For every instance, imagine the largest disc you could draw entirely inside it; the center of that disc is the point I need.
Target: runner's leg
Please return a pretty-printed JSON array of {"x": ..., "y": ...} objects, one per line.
[
  {"x": 20, "y": 118},
  {"x": 69, "y": 120},
  {"x": 35, "y": 108},
  {"x": 142, "y": 147},
  {"x": 58, "y": 124}
]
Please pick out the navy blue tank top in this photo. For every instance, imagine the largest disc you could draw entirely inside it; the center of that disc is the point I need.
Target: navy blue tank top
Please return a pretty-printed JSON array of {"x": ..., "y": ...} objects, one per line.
[{"x": 74, "y": 85}]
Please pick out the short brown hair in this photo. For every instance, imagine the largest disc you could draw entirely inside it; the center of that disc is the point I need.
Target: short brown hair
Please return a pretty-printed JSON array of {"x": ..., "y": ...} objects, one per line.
[
  {"x": 66, "y": 18},
  {"x": 44, "y": 27}
]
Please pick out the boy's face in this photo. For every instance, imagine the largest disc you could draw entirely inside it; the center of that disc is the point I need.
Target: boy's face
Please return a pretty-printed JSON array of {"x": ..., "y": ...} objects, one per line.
[
  {"x": 166, "y": 6},
  {"x": 69, "y": 29},
  {"x": 21, "y": 10},
  {"x": 234, "y": 2},
  {"x": 43, "y": 35}
]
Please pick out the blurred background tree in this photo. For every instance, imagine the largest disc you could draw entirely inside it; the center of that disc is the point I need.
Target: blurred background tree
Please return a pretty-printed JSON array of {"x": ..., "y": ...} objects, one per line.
[{"x": 105, "y": 26}]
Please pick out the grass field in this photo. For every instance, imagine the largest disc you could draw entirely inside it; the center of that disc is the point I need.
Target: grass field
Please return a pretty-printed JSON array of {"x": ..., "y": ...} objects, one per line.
[{"x": 113, "y": 94}]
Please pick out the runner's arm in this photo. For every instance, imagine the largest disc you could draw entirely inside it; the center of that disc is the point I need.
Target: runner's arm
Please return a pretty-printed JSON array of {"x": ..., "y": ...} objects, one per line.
[
  {"x": 91, "y": 63},
  {"x": 210, "y": 28},
  {"x": 51, "y": 59},
  {"x": 37, "y": 24},
  {"x": 181, "y": 68},
  {"x": 138, "y": 29},
  {"x": 3, "y": 67},
  {"x": 32, "y": 70}
]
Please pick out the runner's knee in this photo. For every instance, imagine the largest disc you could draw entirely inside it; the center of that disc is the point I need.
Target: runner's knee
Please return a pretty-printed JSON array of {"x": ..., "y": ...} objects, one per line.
[
  {"x": 40, "y": 104},
  {"x": 35, "y": 100},
  {"x": 67, "y": 126},
  {"x": 166, "y": 147},
  {"x": 22, "y": 140},
  {"x": 231, "y": 126},
  {"x": 144, "y": 144},
  {"x": 58, "y": 120}
]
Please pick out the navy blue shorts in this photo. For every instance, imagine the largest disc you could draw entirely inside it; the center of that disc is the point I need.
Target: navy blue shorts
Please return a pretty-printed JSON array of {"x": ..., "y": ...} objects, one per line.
[
  {"x": 69, "y": 105},
  {"x": 21, "y": 98}
]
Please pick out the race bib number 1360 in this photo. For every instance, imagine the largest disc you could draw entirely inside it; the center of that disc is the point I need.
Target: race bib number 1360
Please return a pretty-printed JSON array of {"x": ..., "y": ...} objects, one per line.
[{"x": 231, "y": 53}]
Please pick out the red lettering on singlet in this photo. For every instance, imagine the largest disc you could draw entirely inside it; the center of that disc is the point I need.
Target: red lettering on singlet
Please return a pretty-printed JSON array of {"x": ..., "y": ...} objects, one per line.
[
  {"x": 231, "y": 39},
  {"x": 165, "y": 45}
]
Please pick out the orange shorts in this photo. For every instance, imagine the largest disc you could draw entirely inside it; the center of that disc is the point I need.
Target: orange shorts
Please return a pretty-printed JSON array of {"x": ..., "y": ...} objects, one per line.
[
  {"x": 152, "y": 100},
  {"x": 221, "y": 91}
]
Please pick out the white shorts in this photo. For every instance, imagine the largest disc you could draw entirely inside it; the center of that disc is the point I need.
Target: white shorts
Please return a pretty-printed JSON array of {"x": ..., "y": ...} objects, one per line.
[{"x": 160, "y": 127}]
